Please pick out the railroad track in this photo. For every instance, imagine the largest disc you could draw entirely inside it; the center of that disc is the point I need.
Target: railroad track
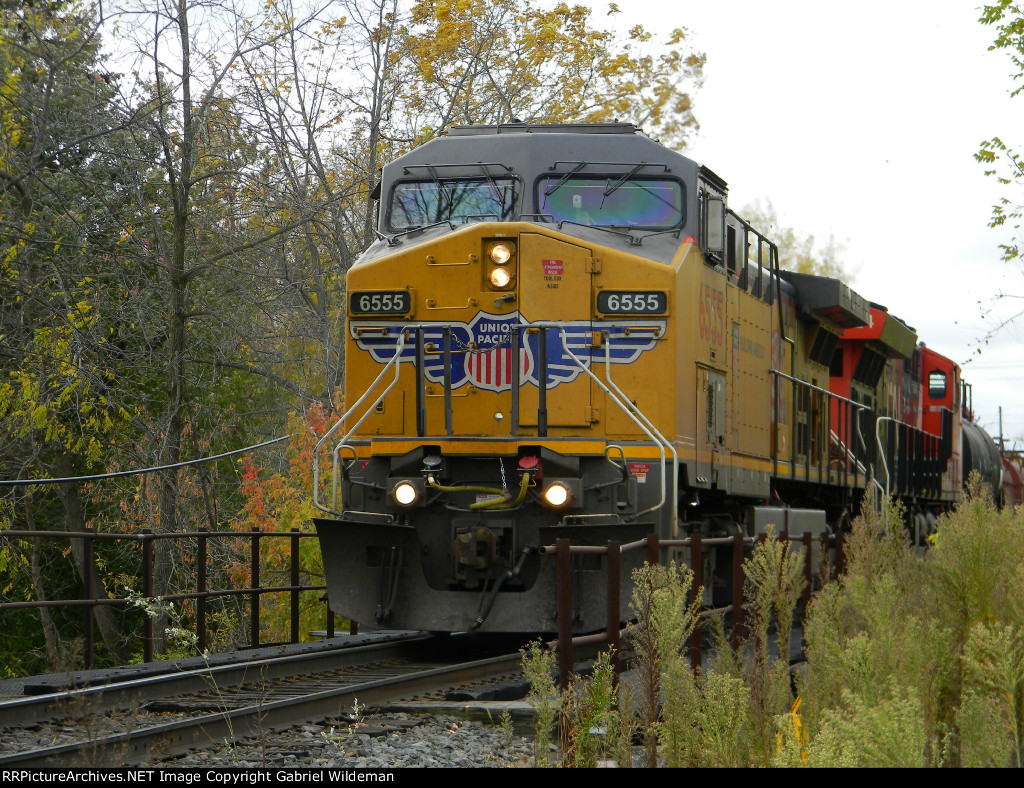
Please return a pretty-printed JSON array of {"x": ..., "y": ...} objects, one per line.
[{"x": 158, "y": 717}]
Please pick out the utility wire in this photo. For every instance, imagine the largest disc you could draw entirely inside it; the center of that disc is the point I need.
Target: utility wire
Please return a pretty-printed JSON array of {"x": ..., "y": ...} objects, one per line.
[{"x": 15, "y": 482}]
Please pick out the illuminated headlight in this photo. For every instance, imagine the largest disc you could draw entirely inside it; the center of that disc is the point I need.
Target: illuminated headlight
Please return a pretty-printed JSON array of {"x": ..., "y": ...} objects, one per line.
[
  {"x": 406, "y": 494},
  {"x": 501, "y": 254},
  {"x": 501, "y": 278},
  {"x": 557, "y": 495}
]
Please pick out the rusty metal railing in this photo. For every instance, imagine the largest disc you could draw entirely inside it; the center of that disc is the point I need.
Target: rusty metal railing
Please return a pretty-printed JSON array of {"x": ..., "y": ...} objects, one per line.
[
  {"x": 202, "y": 592},
  {"x": 612, "y": 635}
]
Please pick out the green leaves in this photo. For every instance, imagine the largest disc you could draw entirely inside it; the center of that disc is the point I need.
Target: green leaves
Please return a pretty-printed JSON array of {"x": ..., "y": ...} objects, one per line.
[{"x": 1000, "y": 161}]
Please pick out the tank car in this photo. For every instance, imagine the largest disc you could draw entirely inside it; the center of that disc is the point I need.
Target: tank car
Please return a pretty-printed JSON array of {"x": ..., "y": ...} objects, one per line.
[
  {"x": 564, "y": 331},
  {"x": 1013, "y": 479}
]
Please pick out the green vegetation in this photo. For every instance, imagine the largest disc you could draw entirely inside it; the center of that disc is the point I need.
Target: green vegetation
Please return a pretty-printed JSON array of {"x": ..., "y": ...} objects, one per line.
[
  {"x": 912, "y": 660},
  {"x": 182, "y": 189}
]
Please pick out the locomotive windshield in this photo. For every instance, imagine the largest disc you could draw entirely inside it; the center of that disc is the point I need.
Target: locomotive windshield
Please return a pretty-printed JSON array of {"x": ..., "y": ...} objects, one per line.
[
  {"x": 421, "y": 203},
  {"x": 610, "y": 201}
]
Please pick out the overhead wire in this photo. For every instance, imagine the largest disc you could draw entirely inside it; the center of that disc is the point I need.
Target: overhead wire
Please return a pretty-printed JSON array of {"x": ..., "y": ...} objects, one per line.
[{"x": 140, "y": 471}]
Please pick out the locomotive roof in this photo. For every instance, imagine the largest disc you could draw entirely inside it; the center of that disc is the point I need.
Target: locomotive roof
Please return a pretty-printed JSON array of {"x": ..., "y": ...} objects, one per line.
[
  {"x": 531, "y": 150},
  {"x": 545, "y": 128}
]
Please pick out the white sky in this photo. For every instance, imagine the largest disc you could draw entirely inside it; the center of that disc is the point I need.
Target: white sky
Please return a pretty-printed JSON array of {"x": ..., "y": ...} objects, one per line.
[{"x": 860, "y": 120}]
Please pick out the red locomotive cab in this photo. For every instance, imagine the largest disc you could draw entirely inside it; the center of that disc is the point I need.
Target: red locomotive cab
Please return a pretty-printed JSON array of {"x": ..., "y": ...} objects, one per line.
[
  {"x": 941, "y": 413},
  {"x": 941, "y": 389}
]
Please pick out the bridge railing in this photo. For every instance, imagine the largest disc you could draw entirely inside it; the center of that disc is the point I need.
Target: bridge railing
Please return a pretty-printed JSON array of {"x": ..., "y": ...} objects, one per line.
[
  {"x": 252, "y": 591},
  {"x": 612, "y": 636}
]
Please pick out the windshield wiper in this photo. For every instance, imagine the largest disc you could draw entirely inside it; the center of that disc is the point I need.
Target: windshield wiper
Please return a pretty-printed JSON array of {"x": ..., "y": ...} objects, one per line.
[
  {"x": 561, "y": 182},
  {"x": 622, "y": 180}
]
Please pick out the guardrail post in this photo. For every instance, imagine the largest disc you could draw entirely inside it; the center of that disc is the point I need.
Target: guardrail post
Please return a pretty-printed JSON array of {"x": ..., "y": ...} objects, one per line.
[
  {"x": 808, "y": 567},
  {"x": 87, "y": 588},
  {"x": 823, "y": 565},
  {"x": 737, "y": 590},
  {"x": 696, "y": 566},
  {"x": 254, "y": 584},
  {"x": 147, "y": 592},
  {"x": 295, "y": 585},
  {"x": 564, "y": 583},
  {"x": 614, "y": 602},
  {"x": 653, "y": 549},
  {"x": 808, "y": 571},
  {"x": 200, "y": 590}
]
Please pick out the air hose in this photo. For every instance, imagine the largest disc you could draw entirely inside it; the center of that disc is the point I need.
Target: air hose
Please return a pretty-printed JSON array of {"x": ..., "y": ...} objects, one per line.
[
  {"x": 433, "y": 485},
  {"x": 503, "y": 501},
  {"x": 513, "y": 573}
]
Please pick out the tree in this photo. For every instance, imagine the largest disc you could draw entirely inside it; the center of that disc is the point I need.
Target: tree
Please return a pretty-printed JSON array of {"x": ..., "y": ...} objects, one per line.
[
  {"x": 316, "y": 90},
  {"x": 190, "y": 226},
  {"x": 63, "y": 177},
  {"x": 176, "y": 222},
  {"x": 798, "y": 252},
  {"x": 495, "y": 61},
  {"x": 1002, "y": 161}
]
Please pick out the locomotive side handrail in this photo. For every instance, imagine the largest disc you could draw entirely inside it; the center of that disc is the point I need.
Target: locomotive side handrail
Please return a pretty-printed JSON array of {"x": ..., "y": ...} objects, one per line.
[
  {"x": 337, "y": 449},
  {"x": 639, "y": 414},
  {"x": 655, "y": 437},
  {"x": 858, "y": 407},
  {"x": 921, "y": 468}
]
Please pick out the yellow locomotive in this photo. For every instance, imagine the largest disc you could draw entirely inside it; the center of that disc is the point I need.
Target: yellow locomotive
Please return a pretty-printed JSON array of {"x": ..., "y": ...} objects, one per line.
[{"x": 562, "y": 331}]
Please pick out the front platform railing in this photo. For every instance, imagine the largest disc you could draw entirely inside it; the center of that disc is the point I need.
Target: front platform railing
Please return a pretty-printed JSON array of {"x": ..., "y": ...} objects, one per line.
[{"x": 366, "y": 404}]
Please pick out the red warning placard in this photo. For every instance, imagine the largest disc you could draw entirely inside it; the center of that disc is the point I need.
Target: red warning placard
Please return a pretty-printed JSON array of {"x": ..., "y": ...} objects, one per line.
[{"x": 640, "y": 471}]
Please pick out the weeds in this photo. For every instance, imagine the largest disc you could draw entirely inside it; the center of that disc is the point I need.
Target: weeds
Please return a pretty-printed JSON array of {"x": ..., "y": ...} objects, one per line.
[
  {"x": 587, "y": 712},
  {"x": 665, "y": 623},
  {"x": 911, "y": 661},
  {"x": 538, "y": 666}
]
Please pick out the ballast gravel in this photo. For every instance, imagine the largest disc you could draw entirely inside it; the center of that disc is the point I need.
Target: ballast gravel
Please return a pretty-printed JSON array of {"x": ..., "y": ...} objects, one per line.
[{"x": 395, "y": 741}]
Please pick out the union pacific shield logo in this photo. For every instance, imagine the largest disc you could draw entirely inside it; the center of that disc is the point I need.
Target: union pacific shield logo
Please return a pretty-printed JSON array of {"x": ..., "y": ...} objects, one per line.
[
  {"x": 488, "y": 356},
  {"x": 493, "y": 369},
  {"x": 482, "y": 349}
]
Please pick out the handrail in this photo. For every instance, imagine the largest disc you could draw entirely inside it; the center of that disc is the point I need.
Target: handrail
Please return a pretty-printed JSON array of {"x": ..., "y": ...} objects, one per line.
[
  {"x": 617, "y": 396},
  {"x": 858, "y": 406},
  {"x": 660, "y": 441},
  {"x": 848, "y": 454},
  {"x": 881, "y": 450},
  {"x": 632, "y": 407},
  {"x": 316, "y": 450},
  {"x": 204, "y": 587}
]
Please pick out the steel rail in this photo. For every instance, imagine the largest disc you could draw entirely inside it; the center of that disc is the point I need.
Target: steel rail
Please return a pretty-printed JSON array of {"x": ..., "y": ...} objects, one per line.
[
  {"x": 122, "y": 694},
  {"x": 177, "y": 738}
]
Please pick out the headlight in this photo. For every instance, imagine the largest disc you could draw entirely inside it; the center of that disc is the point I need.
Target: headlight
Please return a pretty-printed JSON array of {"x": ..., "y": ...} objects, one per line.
[
  {"x": 500, "y": 278},
  {"x": 501, "y": 263},
  {"x": 556, "y": 495},
  {"x": 501, "y": 253},
  {"x": 406, "y": 494}
]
